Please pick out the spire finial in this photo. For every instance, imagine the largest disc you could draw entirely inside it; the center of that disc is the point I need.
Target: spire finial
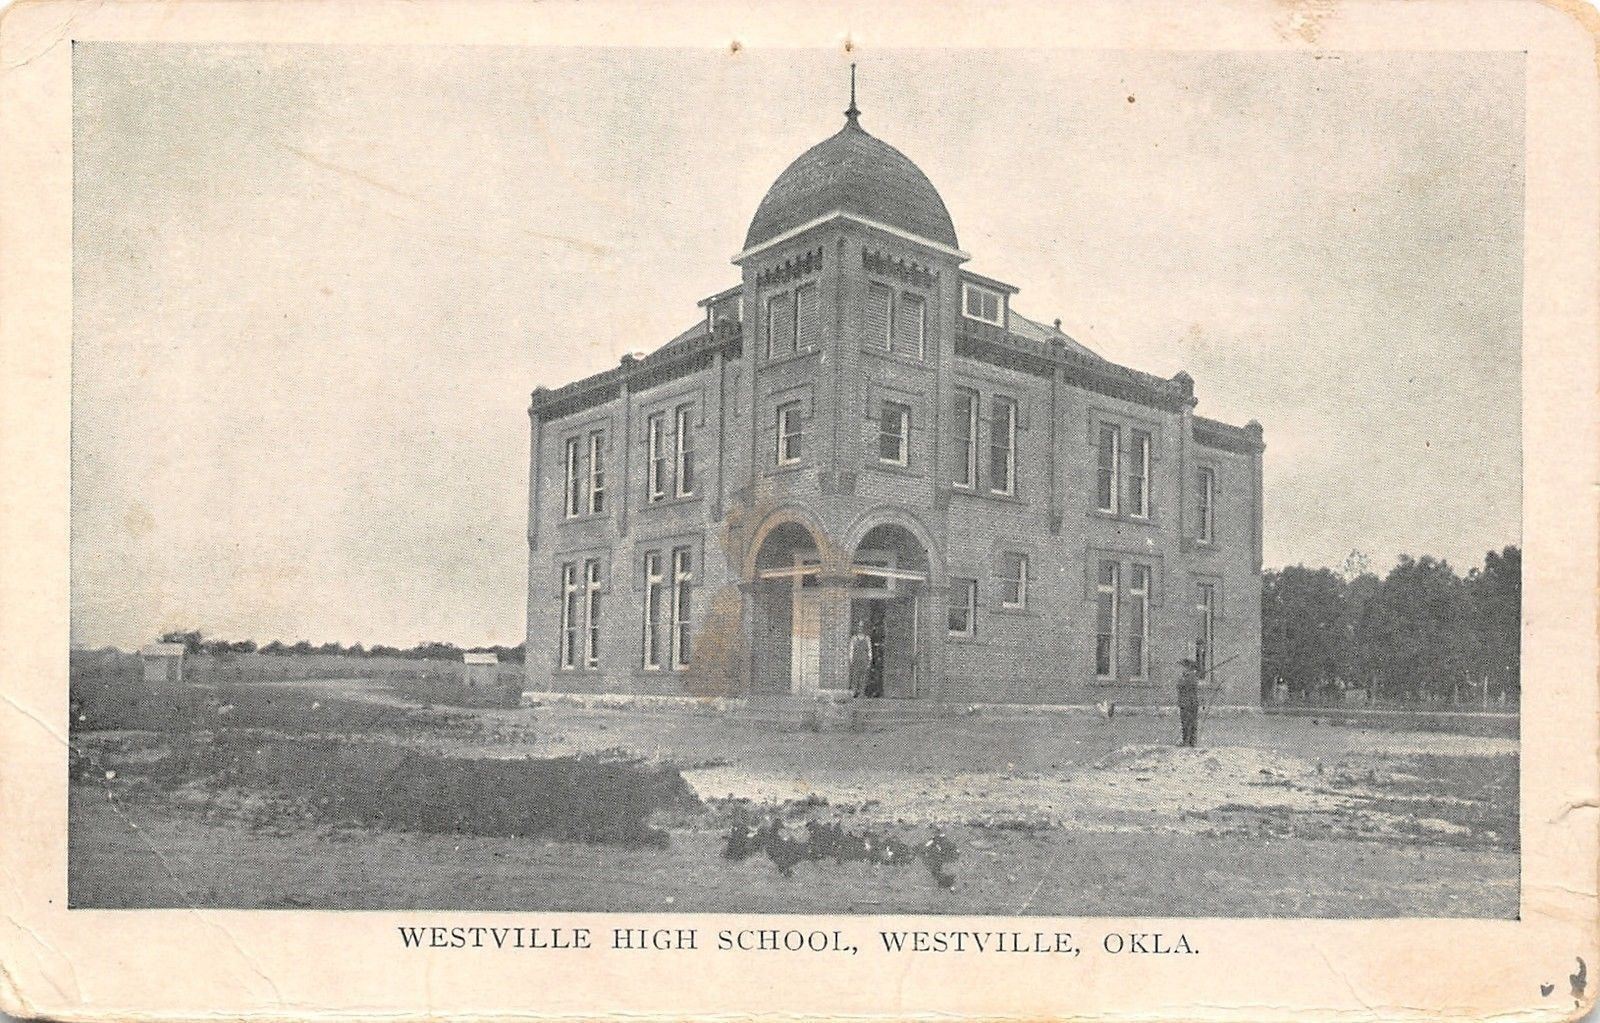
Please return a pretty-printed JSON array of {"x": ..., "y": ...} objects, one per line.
[{"x": 852, "y": 114}]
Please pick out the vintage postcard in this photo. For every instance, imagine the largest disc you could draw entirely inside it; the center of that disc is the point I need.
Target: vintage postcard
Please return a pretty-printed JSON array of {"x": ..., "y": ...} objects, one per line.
[{"x": 802, "y": 510}]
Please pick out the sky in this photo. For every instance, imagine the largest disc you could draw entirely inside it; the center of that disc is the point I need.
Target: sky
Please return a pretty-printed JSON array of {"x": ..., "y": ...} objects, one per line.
[{"x": 314, "y": 286}]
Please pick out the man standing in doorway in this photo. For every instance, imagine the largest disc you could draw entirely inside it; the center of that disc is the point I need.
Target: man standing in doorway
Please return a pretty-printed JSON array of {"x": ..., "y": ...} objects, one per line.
[
  {"x": 1189, "y": 701},
  {"x": 860, "y": 659}
]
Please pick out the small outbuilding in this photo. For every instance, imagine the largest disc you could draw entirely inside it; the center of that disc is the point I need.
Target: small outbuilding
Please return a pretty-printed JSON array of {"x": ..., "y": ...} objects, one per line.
[
  {"x": 163, "y": 662},
  {"x": 481, "y": 674}
]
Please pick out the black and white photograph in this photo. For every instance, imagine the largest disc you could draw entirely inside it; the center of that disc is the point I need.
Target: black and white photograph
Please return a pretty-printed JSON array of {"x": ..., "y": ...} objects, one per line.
[{"x": 1026, "y": 483}]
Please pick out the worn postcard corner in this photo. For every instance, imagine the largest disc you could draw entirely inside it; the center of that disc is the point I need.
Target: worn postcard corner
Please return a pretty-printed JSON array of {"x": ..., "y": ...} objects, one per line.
[{"x": 565, "y": 511}]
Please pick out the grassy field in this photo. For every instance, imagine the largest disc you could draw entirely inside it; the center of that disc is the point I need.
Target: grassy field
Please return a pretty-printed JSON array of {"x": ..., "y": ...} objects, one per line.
[{"x": 335, "y": 793}]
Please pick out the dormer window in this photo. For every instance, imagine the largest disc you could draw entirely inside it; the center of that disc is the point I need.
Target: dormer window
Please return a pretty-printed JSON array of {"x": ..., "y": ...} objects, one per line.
[{"x": 981, "y": 304}]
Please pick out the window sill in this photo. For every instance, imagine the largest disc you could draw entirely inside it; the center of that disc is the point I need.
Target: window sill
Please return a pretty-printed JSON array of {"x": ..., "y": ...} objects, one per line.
[
  {"x": 1132, "y": 520},
  {"x": 988, "y": 495},
  {"x": 786, "y": 357},
  {"x": 573, "y": 520},
  {"x": 961, "y": 637},
  {"x": 787, "y": 468},
  {"x": 670, "y": 502},
  {"x": 895, "y": 469},
  {"x": 919, "y": 361}
]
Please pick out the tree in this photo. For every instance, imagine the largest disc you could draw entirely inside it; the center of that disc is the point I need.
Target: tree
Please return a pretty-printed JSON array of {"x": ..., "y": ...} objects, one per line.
[
  {"x": 1416, "y": 635},
  {"x": 1305, "y": 639},
  {"x": 1496, "y": 595},
  {"x": 193, "y": 640}
]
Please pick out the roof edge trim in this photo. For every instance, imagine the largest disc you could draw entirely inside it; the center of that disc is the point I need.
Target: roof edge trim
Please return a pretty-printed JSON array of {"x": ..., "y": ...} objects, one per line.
[{"x": 876, "y": 225}]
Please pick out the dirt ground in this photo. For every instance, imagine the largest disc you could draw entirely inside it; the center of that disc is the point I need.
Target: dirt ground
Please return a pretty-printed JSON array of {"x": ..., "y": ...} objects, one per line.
[{"x": 1047, "y": 814}]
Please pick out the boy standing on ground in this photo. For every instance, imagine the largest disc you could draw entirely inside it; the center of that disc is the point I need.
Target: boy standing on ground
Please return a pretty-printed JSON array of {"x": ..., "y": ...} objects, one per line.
[
  {"x": 860, "y": 660},
  {"x": 1189, "y": 702}
]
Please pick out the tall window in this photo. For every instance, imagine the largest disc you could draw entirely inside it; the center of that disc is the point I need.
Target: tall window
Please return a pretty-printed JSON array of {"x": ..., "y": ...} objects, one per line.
[
  {"x": 963, "y": 607},
  {"x": 880, "y": 315},
  {"x": 597, "y": 472},
  {"x": 569, "y": 616},
  {"x": 657, "y": 469},
  {"x": 808, "y": 318},
  {"x": 653, "y": 585},
  {"x": 790, "y": 437},
  {"x": 572, "y": 491},
  {"x": 1205, "y": 626},
  {"x": 966, "y": 429},
  {"x": 1139, "y": 474},
  {"x": 1003, "y": 446},
  {"x": 1014, "y": 580},
  {"x": 1107, "y": 609},
  {"x": 911, "y": 325},
  {"x": 1109, "y": 455},
  {"x": 980, "y": 304},
  {"x": 591, "y": 613},
  {"x": 1139, "y": 622},
  {"x": 894, "y": 433},
  {"x": 683, "y": 430},
  {"x": 780, "y": 324},
  {"x": 682, "y": 581},
  {"x": 1207, "y": 521}
]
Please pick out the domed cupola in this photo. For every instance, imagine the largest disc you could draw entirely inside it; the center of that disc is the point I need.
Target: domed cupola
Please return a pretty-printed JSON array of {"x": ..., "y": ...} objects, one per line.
[{"x": 855, "y": 173}]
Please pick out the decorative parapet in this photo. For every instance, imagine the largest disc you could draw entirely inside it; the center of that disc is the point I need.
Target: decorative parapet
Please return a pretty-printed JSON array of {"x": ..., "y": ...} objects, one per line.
[
  {"x": 991, "y": 344},
  {"x": 803, "y": 265},
  {"x": 675, "y": 360},
  {"x": 1244, "y": 440},
  {"x": 909, "y": 271}
]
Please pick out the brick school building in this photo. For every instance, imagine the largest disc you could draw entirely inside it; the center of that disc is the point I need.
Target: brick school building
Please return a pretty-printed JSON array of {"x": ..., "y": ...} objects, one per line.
[{"x": 864, "y": 436}]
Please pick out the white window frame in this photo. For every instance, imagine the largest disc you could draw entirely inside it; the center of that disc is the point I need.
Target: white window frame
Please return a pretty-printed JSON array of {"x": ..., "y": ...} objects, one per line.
[
  {"x": 654, "y": 580},
  {"x": 656, "y": 458},
  {"x": 810, "y": 288},
  {"x": 597, "y": 472},
  {"x": 1140, "y": 470},
  {"x": 1113, "y": 590},
  {"x": 591, "y": 613},
  {"x": 1010, "y": 436},
  {"x": 1114, "y": 470},
  {"x": 1206, "y": 609},
  {"x": 1020, "y": 580},
  {"x": 683, "y": 453},
  {"x": 903, "y": 434},
  {"x": 682, "y": 586},
  {"x": 1208, "y": 504},
  {"x": 789, "y": 415},
  {"x": 921, "y": 305},
  {"x": 968, "y": 289},
  {"x": 970, "y": 459},
  {"x": 567, "y": 642},
  {"x": 886, "y": 342},
  {"x": 971, "y": 587},
  {"x": 1140, "y": 594},
  {"x": 773, "y": 306},
  {"x": 572, "y": 491}
]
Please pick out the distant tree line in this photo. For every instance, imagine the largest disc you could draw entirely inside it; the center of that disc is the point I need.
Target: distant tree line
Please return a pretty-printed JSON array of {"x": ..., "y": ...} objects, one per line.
[
  {"x": 1420, "y": 635},
  {"x": 195, "y": 642}
]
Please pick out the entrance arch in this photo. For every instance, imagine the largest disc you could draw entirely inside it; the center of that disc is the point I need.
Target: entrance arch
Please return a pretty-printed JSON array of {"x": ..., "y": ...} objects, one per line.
[
  {"x": 783, "y": 577},
  {"x": 891, "y": 596}
]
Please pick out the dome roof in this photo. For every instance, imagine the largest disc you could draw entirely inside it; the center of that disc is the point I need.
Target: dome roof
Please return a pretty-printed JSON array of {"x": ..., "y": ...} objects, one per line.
[{"x": 857, "y": 173}]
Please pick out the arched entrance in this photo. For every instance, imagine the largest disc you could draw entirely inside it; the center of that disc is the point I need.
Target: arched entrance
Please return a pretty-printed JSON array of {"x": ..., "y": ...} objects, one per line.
[
  {"x": 786, "y": 599},
  {"x": 888, "y": 596}
]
